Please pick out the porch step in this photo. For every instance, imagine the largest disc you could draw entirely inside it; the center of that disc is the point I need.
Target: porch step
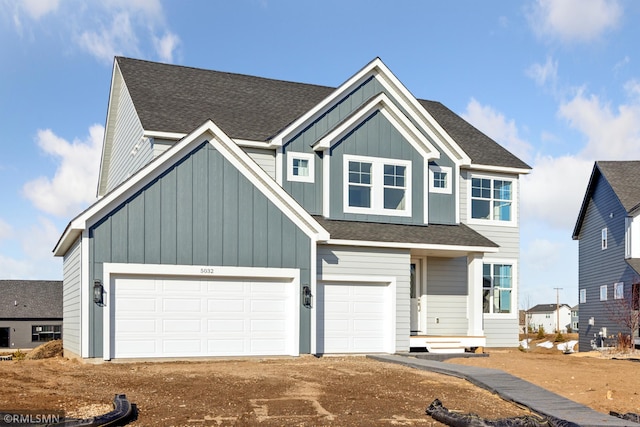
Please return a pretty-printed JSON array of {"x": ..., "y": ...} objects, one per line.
[
  {"x": 446, "y": 344},
  {"x": 445, "y": 347}
]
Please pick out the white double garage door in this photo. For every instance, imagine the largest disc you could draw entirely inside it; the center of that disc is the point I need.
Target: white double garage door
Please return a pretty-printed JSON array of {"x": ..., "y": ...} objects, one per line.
[{"x": 156, "y": 316}]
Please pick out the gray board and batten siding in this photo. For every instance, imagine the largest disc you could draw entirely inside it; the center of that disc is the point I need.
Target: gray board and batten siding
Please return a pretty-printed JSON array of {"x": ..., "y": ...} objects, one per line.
[
  {"x": 597, "y": 267},
  {"x": 71, "y": 302},
  {"x": 201, "y": 211}
]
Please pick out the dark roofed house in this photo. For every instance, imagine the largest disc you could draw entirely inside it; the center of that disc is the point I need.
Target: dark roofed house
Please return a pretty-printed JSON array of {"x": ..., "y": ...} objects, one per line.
[
  {"x": 240, "y": 215},
  {"x": 30, "y": 313},
  {"x": 608, "y": 234}
]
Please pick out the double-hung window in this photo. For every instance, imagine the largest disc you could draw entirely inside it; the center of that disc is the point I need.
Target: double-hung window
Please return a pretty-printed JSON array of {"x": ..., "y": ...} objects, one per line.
[
  {"x": 497, "y": 288},
  {"x": 492, "y": 199},
  {"x": 375, "y": 185}
]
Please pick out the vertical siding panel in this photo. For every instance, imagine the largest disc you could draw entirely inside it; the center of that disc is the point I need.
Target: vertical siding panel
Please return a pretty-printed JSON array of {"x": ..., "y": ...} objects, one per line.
[
  {"x": 274, "y": 235},
  {"x": 200, "y": 224},
  {"x": 119, "y": 235},
  {"x": 245, "y": 223},
  {"x": 152, "y": 224},
  {"x": 168, "y": 223},
  {"x": 184, "y": 212},
  {"x": 230, "y": 215},
  {"x": 216, "y": 184},
  {"x": 260, "y": 258},
  {"x": 135, "y": 235},
  {"x": 289, "y": 240}
]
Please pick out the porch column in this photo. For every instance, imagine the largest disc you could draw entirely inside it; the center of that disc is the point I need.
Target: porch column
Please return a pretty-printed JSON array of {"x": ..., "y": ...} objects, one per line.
[{"x": 474, "y": 298}]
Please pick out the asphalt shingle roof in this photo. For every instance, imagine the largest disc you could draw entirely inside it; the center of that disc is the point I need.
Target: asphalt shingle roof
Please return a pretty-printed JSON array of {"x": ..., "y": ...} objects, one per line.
[
  {"x": 623, "y": 178},
  {"x": 30, "y": 299},
  {"x": 435, "y": 234},
  {"x": 172, "y": 98}
]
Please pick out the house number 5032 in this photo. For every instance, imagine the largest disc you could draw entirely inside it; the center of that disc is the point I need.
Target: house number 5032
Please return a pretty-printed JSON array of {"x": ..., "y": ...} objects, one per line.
[{"x": 206, "y": 270}]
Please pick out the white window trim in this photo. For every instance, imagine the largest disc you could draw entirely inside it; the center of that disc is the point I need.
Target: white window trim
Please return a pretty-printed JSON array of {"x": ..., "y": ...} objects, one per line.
[
  {"x": 514, "y": 288},
  {"x": 618, "y": 290},
  {"x": 448, "y": 171},
  {"x": 583, "y": 296},
  {"x": 514, "y": 201},
  {"x": 603, "y": 293},
  {"x": 302, "y": 156},
  {"x": 377, "y": 187}
]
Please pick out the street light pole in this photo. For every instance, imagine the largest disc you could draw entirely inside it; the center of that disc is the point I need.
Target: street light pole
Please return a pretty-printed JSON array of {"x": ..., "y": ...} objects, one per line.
[{"x": 557, "y": 309}]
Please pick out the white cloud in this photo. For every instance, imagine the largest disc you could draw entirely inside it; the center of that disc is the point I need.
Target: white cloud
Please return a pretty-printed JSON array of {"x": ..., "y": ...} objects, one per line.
[
  {"x": 73, "y": 186},
  {"x": 611, "y": 135},
  {"x": 632, "y": 87},
  {"x": 553, "y": 191},
  {"x": 166, "y": 45},
  {"x": 36, "y": 9},
  {"x": 39, "y": 240},
  {"x": 106, "y": 43},
  {"x": 5, "y": 230},
  {"x": 495, "y": 125},
  {"x": 544, "y": 73},
  {"x": 574, "y": 20}
]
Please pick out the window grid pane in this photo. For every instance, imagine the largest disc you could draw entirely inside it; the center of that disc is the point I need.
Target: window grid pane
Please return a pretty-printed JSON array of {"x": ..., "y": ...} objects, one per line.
[
  {"x": 491, "y": 199},
  {"x": 394, "y": 187},
  {"x": 439, "y": 179},
  {"x": 300, "y": 167}
]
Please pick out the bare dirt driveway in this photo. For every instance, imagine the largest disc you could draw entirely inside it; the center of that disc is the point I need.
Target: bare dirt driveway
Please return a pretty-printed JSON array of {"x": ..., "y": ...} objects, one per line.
[{"x": 306, "y": 391}]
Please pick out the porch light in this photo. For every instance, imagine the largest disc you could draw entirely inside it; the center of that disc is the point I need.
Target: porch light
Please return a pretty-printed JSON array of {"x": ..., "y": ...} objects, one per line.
[
  {"x": 98, "y": 292},
  {"x": 306, "y": 296}
]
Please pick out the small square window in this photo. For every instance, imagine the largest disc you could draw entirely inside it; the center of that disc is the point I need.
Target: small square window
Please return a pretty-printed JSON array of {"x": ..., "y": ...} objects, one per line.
[
  {"x": 618, "y": 290},
  {"x": 583, "y": 296},
  {"x": 440, "y": 179},
  {"x": 604, "y": 238},
  {"x": 300, "y": 167},
  {"x": 603, "y": 293}
]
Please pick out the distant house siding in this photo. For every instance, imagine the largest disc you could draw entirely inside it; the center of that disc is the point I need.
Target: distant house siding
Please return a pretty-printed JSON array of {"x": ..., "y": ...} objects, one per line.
[
  {"x": 202, "y": 211},
  {"x": 71, "y": 302},
  {"x": 345, "y": 260},
  {"x": 598, "y": 267},
  {"x": 130, "y": 151},
  {"x": 20, "y": 331},
  {"x": 447, "y": 291},
  {"x": 501, "y": 330}
]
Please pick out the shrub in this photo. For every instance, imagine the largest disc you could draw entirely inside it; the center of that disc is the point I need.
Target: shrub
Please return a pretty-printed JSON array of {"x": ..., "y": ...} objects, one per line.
[
  {"x": 19, "y": 355},
  {"x": 540, "y": 332},
  {"x": 559, "y": 337}
]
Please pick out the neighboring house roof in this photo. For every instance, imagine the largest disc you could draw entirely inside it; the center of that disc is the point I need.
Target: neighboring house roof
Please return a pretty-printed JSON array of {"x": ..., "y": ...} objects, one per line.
[
  {"x": 30, "y": 299},
  {"x": 634, "y": 263},
  {"x": 171, "y": 98},
  {"x": 622, "y": 177},
  {"x": 545, "y": 308},
  {"x": 432, "y": 234},
  {"x": 575, "y": 307}
]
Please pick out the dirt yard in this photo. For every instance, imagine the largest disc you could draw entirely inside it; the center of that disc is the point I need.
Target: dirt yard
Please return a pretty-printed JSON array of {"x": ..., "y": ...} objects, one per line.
[{"x": 305, "y": 391}]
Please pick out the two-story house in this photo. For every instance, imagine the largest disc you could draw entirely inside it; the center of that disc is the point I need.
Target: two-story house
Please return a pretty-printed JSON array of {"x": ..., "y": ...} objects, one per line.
[
  {"x": 608, "y": 234},
  {"x": 547, "y": 316},
  {"x": 240, "y": 215}
]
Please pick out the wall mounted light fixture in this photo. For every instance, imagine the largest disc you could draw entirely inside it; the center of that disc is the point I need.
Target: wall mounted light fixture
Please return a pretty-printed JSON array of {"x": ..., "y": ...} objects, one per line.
[
  {"x": 98, "y": 292},
  {"x": 306, "y": 296}
]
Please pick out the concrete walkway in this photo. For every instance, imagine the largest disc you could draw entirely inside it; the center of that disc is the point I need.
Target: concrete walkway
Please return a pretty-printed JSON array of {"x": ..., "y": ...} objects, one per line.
[{"x": 514, "y": 389}]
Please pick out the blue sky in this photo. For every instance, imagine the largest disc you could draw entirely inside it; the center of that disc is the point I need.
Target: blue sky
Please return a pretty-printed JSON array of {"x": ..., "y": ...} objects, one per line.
[{"x": 556, "y": 82}]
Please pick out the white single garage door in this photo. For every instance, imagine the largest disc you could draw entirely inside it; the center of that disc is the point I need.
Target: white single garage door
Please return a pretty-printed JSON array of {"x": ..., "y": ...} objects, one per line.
[
  {"x": 354, "y": 318},
  {"x": 185, "y": 317}
]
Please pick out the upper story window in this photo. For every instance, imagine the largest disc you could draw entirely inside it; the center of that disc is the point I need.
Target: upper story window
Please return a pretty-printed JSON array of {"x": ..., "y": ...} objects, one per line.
[
  {"x": 497, "y": 288},
  {"x": 618, "y": 290},
  {"x": 440, "y": 179},
  {"x": 492, "y": 199},
  {"x": 300, "y": 167},
  {"x": 604, "y": 238},
  {"x": 603, "y": 293},
  {"x": 583, "y": 296},
  {"x": 375, "y": 185}
]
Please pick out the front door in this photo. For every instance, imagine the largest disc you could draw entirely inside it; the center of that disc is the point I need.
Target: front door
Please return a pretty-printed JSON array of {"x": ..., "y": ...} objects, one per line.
[
  {"x": 416, "y": 314},
  {"x": 4, "y": 337}
]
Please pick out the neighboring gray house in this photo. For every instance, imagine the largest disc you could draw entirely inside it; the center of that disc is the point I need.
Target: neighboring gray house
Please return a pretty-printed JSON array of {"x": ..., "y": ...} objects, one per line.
[
  {"x": 30, "y": 313},
  {"x": 548, "y": 315},
  {"x": 608, "y": 234},
  {"x": 239, "y": 215}
]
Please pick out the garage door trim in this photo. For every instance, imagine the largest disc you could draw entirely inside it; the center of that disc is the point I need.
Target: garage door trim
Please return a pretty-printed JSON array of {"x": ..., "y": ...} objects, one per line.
[
  {"x": 390, "y": 281},
  {"x": 113, "y": 270}
]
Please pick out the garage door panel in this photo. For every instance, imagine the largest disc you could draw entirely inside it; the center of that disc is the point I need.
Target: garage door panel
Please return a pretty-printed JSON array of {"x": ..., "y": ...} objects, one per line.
[
  {"x": 217, "y": 317},
  {"x": 354, "y": 317}
]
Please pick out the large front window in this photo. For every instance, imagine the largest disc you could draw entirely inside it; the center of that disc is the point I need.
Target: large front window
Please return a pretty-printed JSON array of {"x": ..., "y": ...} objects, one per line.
[
  {"x": 491, "y": 199},
  {"x": 377, "y": 186},
  {"x": 497, "y": 287}
]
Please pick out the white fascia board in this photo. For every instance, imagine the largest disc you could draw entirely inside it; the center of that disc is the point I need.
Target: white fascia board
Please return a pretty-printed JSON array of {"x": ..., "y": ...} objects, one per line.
[
  {"x": 423, "y": 246},
  {"x": 171, "y": 136},
  {"x": 107, "y": 143},
  {"x": 253, "y": 144},
  {"x": 381, "y": 103},
  {"x": 206, "y": 132},
  {"x": 335, "y": 96},
  {"x": 499, "y": 169}
]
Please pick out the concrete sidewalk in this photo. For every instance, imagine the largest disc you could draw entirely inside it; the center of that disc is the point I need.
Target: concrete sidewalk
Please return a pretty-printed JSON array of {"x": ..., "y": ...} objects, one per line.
[{"x": 514, "y": 389}]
